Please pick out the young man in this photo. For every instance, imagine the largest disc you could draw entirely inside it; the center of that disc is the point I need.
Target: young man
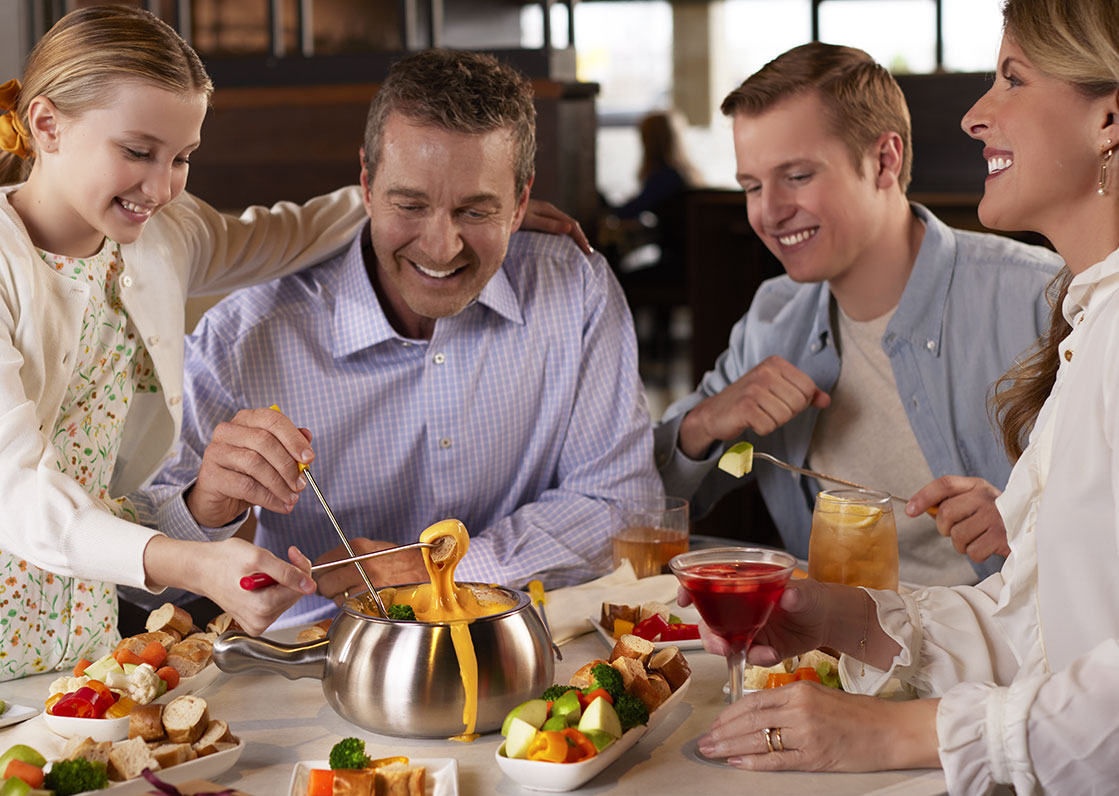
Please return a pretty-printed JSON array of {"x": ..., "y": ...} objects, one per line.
[
  {"x": 872, "y": 358},
  {"x": 446, "y": 364}
]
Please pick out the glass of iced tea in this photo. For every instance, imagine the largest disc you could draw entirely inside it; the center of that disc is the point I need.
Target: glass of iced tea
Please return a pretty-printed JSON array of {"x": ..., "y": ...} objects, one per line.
[
  {"x": 649, "y": 533},
  {"x": 854, "y": 539}
]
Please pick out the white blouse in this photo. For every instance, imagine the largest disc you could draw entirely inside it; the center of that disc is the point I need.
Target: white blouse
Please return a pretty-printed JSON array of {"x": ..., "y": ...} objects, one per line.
[{"x": 1027, "y": 662}]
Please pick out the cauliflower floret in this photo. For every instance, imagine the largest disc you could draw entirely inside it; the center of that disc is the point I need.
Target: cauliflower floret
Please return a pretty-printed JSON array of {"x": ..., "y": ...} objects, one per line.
[
  {"x": 66, "y": 684},
  {"x": 143, "y": 685}
]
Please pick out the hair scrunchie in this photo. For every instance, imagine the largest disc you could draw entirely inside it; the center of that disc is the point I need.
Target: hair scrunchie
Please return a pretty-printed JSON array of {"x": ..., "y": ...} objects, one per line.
[{"x": 13, "y": 135}]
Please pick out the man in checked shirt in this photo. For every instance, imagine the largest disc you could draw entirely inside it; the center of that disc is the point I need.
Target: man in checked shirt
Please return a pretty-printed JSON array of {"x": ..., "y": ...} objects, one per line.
[{"x": 447, "y": 365}]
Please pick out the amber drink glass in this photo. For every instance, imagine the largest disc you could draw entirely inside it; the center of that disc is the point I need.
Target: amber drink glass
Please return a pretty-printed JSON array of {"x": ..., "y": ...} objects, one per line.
[
  {"x": 854, "y": 539},
  {"x": 649, "y": 533}
]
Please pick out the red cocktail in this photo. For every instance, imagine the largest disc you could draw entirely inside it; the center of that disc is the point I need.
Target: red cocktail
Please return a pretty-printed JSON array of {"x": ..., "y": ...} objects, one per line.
[{"x": 734, "y": 589}]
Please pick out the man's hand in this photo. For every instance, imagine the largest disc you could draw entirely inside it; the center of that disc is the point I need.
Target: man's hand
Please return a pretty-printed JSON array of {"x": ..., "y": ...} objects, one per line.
[
  {"x": 966, "y": 513},
  {"x": 405, "y": 567},
  {"x": 544, "y": 216},
  {"x": 252, "y": 460},
  {"x": 766, "y": 398}
]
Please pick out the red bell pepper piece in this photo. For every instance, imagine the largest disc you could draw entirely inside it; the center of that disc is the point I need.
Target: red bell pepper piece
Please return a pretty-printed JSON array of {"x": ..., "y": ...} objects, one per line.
[
  {"x": 73, "y": 706},
  {"x": 103, "y": 698},
  {"x": 651, "y": 627},
  {"x": 680, "y": 632}
]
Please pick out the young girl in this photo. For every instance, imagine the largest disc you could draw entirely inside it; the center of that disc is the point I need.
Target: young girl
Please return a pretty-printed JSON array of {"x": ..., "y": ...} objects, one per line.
[{"x": 1023, "y": 668}]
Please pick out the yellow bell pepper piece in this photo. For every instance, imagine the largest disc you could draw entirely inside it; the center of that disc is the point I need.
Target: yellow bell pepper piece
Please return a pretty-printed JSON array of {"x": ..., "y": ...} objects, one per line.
[
  {"x": 549, "y": 746},
  {"x": 621, "y": 628},
  {"x": 121, "y": 708},
  {"x": 385, "y": 761}
]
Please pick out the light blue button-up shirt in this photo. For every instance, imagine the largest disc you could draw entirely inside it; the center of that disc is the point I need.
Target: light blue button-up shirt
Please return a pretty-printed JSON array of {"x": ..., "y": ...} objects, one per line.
[
  {"x": 974, "y": 302},
  {"x": 523, "y": 416}
]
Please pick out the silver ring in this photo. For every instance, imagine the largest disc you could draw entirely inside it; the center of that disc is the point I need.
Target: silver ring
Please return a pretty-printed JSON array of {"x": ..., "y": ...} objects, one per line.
[
  {"x": 777, "y": 738},
  {"x": 768, "y": 741}
]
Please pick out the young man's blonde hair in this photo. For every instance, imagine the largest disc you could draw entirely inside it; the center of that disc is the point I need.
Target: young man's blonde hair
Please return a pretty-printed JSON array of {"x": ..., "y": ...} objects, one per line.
[{"x": 860, "y": 97}]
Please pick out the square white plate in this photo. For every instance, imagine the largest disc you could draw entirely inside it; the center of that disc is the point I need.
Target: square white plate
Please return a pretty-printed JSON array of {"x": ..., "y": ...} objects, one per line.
[
  {"x": 442, "y": 775},
  {"x": 557, "y": 777},
  {"x": 14, "y": 714},
  {"x": 687, "y": 614}
]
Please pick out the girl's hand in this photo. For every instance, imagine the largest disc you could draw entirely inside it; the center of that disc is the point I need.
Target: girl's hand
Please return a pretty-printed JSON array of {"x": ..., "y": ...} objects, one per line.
[
  {"x": 823, "y": 729},
  {"x": 542, "y": 216},
  {"x": 232, "y": 559},
  {"x": 252, "y": 460}
]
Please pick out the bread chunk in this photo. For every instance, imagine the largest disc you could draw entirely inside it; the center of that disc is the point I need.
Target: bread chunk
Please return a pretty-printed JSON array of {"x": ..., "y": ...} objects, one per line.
[
  {"x": 631, "y": 646},
  {"x": 353, "y": 782},
  {"x": 216, "y": 731},
  {"x": 190, "y": 656},
  {"x": 671, "y": 663},
  {"x": 127, "y": 759},
  {"x": 171, "y": 754},
  {"x": 186, "y": 718},
  {"x": 400, "y": 779},
  {"x": 629, "y": 669},
  {"x": 170, "y": 616},
  {"x": 583, "y": 678},
  {"x": 146, "y": 721}
]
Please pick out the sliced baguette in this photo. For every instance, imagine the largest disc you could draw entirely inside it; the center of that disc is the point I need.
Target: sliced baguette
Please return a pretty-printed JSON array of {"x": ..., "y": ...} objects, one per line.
[
  {"x": 216, "y": 732},
  {"x": 583, "y": 677},
  {"x": 186, "y": 718},
  {"x": 146, "y": 722},
  {"x": 671, "y": 663},
  {"x": 353, "y": 782},
  {"x": 190, "y": 656},
  {"x": 170, "y": 616},
  {"x": 171, "y": 754},
  {"x": 629, "y": 669},
  {"x": 631, "y": 646},
  {"x": 400, "y": 779}
]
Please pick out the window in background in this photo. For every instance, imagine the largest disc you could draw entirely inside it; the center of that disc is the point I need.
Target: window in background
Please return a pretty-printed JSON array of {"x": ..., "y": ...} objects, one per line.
[
  {"x": 624, "y": 47},
  {"x": 757, "y": 31},
  {"x": 972, "y": 30},
  {"x": 899, "y": 34}
]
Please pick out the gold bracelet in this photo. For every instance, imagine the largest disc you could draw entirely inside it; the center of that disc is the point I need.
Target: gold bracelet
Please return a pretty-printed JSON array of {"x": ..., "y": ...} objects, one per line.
[{"x": 866, "y": 628}]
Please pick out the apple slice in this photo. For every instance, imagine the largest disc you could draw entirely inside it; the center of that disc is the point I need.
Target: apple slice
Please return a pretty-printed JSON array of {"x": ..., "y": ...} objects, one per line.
[
  {"x": 534, "y": 712},
  {"x": 601, "y": 716},
  {"x": 738, "y": 460},
  {"x": 519, "y": 738}
]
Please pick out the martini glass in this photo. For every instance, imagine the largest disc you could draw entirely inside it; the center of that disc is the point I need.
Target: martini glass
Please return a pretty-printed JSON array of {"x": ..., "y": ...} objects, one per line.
[{"x": 734, "y": 590}]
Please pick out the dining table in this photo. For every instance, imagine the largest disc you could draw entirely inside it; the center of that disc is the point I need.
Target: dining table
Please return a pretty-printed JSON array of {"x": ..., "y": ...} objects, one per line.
[{"x": 286, "y": 721}]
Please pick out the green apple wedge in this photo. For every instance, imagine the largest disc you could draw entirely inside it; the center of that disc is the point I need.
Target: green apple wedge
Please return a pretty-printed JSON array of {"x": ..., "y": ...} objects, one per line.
[
  {"x": 600, "y": 715},
  {"x": 556, "y": 723},
  {"x": 599, "y": 738},
  {"x": 24, "y": 754},
  {"x": 534, "y": 712},
  {"x": 519, "y": 738},
  {"x": 14, "y": 786},
  {"x": 738, "y": 460},
  {"x": 568, "y": 707}
]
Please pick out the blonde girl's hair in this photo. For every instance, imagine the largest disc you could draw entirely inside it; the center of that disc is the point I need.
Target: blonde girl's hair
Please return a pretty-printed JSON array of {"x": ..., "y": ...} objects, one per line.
[
  {"x": 80, "y": 62},
  {"x": 1076, "y": 41}
]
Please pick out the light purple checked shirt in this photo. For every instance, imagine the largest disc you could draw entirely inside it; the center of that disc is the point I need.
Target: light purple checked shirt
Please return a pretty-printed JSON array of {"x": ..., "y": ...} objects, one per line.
[{"x": 522, "y": 417}]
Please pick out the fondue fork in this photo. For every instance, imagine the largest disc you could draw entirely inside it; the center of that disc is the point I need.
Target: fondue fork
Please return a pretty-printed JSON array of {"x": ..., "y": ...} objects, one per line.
[
  {"x": 250, "y": 581},
  {"x": 260, "y": 580}
]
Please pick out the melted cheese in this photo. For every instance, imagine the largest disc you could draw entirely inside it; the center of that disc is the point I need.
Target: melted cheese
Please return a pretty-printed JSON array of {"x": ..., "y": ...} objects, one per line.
[{"x": 442, "y": 600}]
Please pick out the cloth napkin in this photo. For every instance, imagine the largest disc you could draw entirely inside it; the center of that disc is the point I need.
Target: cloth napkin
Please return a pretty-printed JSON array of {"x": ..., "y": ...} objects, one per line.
[{"x": 573, "y": 610}]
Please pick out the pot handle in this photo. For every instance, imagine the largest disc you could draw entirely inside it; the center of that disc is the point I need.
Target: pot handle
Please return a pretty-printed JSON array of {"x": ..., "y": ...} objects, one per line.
[{"x": 238, "y": 652}]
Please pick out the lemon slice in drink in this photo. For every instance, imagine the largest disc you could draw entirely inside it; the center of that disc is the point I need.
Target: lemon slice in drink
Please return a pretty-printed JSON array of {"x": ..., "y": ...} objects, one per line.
[
  {"x": 852, "y": 514},
  {"x": 738, "y": 460}
]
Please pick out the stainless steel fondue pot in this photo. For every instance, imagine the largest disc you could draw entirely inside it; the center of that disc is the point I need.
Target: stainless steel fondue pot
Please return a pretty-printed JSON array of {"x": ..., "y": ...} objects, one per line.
[{"x": 403, "y": 678}]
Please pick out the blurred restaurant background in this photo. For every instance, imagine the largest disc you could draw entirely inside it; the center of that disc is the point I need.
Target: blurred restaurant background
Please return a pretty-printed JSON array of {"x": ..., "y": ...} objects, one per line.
[{"x": 293, "y": 81}]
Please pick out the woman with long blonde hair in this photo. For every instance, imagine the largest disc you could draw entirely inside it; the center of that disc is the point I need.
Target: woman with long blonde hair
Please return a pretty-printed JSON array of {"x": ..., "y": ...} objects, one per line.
[{"x": 1020, "y": 674}]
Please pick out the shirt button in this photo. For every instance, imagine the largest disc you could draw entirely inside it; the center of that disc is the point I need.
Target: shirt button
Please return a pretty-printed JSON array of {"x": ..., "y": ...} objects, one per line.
[
  {"x": 153, "y": 340},
  {"x": 126, "y": 280},
  {"x": 445, "y": 442},
  {"x": 175, "y": 400},
  {"x": 1068, "y": 355},
  {"x": 915, "y": 403},
  {"x": 439, "y": 359},
  {"x": 931, "y": 345},
  {"x": 815, "y": 347},
  {"x": 405, "y": 343}
]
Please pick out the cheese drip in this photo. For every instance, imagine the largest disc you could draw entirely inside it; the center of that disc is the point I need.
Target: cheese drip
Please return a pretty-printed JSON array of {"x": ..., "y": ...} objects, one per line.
[{"x": 442, "y": 600}]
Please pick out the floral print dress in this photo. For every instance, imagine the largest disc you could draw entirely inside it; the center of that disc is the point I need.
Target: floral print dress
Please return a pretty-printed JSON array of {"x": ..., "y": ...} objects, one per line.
[{"x": 48, "y": 621}]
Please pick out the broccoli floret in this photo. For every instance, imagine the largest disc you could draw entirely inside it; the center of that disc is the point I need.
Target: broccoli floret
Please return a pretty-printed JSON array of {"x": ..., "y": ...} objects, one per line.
[
  {"x": 631, "y": 711},
  {"x": 607, "y": 678},
  {"x": 67, "y": 777},
  {"x": 349, "y": 753},
  {"x": 401, "y": 611},
  {"x": 554, "y": 692}
]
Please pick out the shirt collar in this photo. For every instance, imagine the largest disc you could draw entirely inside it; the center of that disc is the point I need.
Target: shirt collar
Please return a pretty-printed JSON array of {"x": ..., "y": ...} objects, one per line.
[
  {"x": 360, "y": 320},
  {"x": 1099, "y": 280},
  {"x": 920, "y": 312}
]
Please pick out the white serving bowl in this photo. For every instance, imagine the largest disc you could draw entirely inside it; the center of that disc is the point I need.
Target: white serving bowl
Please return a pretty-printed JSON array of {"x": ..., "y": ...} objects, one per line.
[{"x": 97, "y": 729}]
